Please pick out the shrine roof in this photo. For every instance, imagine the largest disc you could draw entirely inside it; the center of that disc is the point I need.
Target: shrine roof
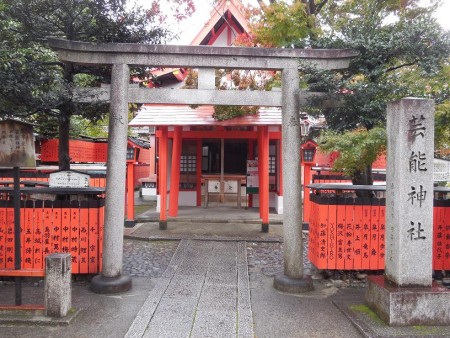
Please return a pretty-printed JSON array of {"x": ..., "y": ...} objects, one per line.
[
  {"x": 223, "y": 11},
  {"x": 171, "y": 115}
]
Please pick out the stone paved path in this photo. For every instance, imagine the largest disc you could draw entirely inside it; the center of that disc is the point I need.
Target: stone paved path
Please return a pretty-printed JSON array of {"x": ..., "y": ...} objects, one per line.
[{"x": 204, "y": 292}]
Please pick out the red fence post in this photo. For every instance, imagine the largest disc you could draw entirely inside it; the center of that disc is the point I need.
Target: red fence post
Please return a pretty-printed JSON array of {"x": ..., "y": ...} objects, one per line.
[
  {"x": 74, "y": 240},
  {"x": 84, "y": 237}
]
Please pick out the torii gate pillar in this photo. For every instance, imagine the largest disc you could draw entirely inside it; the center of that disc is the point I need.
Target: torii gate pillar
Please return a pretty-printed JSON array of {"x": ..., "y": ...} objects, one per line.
[
  {"x": 292, "y": 280},
  {"x": 111, "y": 280}
]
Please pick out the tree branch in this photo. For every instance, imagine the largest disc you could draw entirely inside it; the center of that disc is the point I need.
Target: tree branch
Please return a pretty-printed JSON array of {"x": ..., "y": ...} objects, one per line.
[
  {"x": 401, "y": 66},
  {"x": 320, "y": 5}
]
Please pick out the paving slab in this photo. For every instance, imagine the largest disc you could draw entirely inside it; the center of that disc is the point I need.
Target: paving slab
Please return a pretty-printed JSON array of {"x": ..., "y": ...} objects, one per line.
[{"x": 206, "y": 303}]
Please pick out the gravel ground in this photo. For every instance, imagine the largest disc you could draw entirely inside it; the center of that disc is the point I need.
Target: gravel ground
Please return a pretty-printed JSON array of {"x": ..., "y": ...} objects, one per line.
[
  {"x": 265, "y": 259},
  {"x": 147, "y": 258}
]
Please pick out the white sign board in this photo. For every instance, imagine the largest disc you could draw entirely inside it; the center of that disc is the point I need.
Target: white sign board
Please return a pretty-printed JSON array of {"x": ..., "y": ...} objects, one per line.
[
  {"x": 68, "y": 179},
  {"x": 214, "y": 186}
]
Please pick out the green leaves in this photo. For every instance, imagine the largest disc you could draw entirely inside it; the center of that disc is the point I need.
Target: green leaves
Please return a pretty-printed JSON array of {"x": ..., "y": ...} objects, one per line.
[
  {"x": 393, "y": 38},
  {"x": 357, "y": 149},
  {"x": 283, "y": 24}
]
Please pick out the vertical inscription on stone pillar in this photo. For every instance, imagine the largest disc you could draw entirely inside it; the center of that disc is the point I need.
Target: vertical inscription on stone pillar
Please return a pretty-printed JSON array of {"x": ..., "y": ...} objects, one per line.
[{"x": 410, "y": 192}]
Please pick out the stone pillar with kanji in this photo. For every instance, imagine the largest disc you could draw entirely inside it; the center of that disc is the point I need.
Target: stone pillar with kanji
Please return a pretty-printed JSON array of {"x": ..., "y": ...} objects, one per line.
[{"x": 407, "y": 295}]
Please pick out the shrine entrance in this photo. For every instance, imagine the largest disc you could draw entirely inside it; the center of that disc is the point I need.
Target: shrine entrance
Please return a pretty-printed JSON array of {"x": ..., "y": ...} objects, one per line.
[
  {"x": 207, "y": 60},
  {"x": 232, "y": 154},
  {"x": 224, "y": 168}
]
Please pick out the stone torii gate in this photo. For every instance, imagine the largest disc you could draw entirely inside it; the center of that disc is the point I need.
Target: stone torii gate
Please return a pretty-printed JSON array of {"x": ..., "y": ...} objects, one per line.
[{"x": 206, "y": 59}]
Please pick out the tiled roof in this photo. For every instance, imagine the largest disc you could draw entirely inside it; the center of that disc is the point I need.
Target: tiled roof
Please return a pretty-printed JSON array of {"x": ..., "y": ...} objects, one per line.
[
  {"x": 186, "y": 116},
  {"x": 139, "y": 142}
]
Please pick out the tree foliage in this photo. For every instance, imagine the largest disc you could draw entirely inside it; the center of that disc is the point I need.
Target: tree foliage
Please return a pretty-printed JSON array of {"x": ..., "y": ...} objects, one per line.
[
  {"x": 414, "y": 42},
  {"x": 402, "y": 52},
  {"x": 391, "y": 36},
  {"x": 38, "y": 86},
  {"x": 235, "y": 80},
  {"x": 437, "y": 87},
  {"x": 283, "y": 23},
  {"x": 357, "y": 149}
]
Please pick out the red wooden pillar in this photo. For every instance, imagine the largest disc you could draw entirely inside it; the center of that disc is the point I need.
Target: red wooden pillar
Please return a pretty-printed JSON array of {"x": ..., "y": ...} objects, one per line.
[
  {"x": 129, "y": 222},
  {"x": 175, "y": 173},
  {"x": 199, "y": 172},
  {"x": 163, "y": 178},
  {"x": 263, "y": 150}
]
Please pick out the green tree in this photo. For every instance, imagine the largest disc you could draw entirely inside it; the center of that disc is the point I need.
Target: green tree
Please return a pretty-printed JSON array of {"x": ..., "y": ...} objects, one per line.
[
  {"x": 393, "y": 38},
  {"x": 437, "y": 87},
  {"x": 47, "y": 95},
  {"x": 413, "y": 42},
  {"x": 285, "y": 24},
  {"x": 357, "y": 149}
]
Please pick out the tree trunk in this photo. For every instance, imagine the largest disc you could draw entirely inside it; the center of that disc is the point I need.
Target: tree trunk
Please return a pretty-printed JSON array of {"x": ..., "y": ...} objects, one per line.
[
  {"x": 363, "y": 177},
  {"x": 64, "y": 124},
  {"x": 63, "y": 149}
]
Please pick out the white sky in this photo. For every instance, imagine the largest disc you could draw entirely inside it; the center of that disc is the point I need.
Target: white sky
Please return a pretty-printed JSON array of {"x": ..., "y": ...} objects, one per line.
[{"x": 189, "y": 28}]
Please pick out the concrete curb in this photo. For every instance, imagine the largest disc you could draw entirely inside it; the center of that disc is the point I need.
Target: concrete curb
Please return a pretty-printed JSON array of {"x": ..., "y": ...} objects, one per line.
[
  {"x": 371, "y": 326},
  {"x": 203, "y": 238},
  {"x": 32, "y": 319}
]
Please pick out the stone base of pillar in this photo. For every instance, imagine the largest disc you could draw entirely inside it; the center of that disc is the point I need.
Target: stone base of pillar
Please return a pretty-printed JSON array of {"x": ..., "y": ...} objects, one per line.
[
  {"x": 265, "y": 227},
  {"x": 162, "y": 225},
  {"x": 405, "y": 306},
  {"x": 106, "y": 285},
  {"x": 284, "y": 283},
  {"x": 129, "y": 223}
]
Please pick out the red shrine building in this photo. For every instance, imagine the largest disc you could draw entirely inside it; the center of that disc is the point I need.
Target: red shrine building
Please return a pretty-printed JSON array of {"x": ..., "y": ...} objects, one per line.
[{"x": 210, "y": 162}]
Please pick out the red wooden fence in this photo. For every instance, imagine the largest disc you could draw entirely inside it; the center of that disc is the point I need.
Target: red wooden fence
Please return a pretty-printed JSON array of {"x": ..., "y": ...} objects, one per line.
[
  {"x": 349, "y": 233},
  {"x": 74, "y": 227}
]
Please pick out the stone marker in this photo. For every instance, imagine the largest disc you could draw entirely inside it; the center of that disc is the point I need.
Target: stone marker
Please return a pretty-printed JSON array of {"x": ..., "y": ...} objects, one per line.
[
  {"x": 409, "y": 200},
  {"x": 16, "y": 144},
  {"x": 406, "y": 295},
  {"x": 58, "y": 292}
]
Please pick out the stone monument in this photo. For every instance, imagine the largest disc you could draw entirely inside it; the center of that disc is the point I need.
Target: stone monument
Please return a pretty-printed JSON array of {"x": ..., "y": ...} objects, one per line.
[
  {"x": 16, "y": 144},
  {"x": 407, "y": 295}
]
